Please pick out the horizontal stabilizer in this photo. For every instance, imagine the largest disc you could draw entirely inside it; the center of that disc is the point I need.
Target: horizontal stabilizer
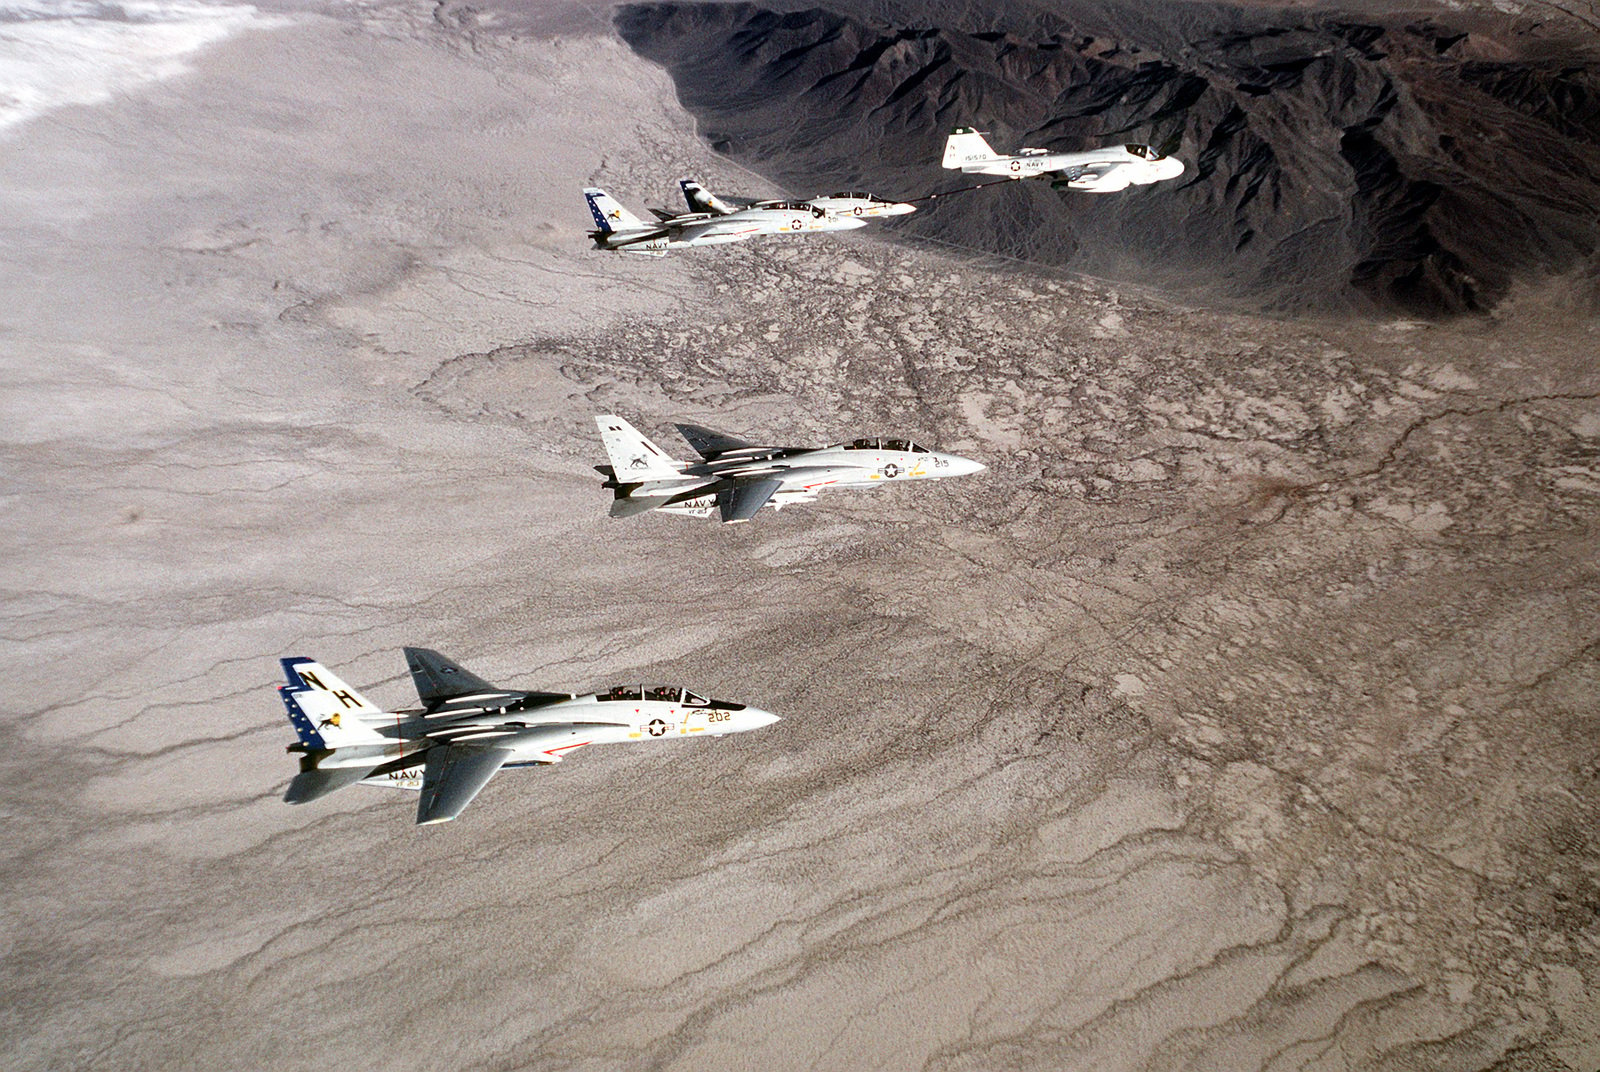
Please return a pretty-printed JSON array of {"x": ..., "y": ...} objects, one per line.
[
  {"x": 629, "y": 507},
  {"x": 650, "y": 243},
  {"x": 311, "y": 784},
  {"x": 635, "y": 499},
  {"x": 439, "y": 679},
  {"x": 452, "y": 776}
]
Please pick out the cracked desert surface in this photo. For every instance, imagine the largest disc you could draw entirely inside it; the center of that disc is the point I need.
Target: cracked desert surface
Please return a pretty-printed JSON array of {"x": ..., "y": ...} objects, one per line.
[{"x": 1241, "y": 716}]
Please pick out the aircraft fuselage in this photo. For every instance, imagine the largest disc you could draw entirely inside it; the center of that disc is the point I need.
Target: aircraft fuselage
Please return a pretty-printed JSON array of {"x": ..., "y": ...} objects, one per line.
[
  {"x": 802, "y": 472},
  {"x": 860, "y": 206},
  {"x": 1103, "y": 170},
  {"x": 537, "y": 729},
  {"x": 703, "y": 229},
  {"x": 468, "y": 729}
]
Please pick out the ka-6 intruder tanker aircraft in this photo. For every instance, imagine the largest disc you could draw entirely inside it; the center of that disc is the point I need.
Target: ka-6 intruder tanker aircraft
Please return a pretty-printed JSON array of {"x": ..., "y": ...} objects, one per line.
[
  {"x": 853, "y": 205},
  {"x": 1095, "y": 171},
  {"x": 467, "y": 729},
  {"x": 621, "y": 231},
  {"x": 735, "y": 479}
]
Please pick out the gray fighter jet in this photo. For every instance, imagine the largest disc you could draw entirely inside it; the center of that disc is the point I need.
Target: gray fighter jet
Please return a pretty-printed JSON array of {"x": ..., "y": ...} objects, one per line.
[
  {"x": 854, "y": 204},
  {"x": 467, "y": 729},
  {"x": 735, "y": 479},
  {"x": 620, "y": 231}
]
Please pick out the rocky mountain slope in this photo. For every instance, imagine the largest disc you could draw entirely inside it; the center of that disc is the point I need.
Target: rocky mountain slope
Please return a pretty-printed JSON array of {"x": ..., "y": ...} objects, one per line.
[{"x": 1420, "y": 162}]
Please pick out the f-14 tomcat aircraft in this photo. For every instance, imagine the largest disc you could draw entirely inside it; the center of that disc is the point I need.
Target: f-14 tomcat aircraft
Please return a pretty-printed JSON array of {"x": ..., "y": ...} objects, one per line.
[
  {"x": 467, "y": 729},
  {"x": 623, "y": 232},
  {"x": 1095, "y": 171},
  {"x": 855, "y": 204},
  {"x": 735, "y": 479}
]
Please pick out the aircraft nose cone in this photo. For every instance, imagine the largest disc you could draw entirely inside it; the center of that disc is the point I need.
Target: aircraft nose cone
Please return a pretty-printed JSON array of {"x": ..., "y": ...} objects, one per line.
[
  {"x": 965, "y": 466},
  {"x": 899, "y": 208},
  {"x": 755, "y": 718}
]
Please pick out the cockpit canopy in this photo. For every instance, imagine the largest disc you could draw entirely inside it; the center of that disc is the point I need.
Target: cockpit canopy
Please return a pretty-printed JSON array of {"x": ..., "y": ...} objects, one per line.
[
  {"x": 873, "y": 443},
  {"x": 795, "y": 206},
  {"x": 1144, "y": 152},
  {"x": 658, "y": 693},
  {"x": 857, "y": 195}
]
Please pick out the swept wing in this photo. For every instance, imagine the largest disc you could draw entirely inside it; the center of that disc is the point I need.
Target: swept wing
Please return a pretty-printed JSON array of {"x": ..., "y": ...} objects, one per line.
[
  {"x": 466, "y": 758},
  {"x": 742, "y": 501},
  {"x": 1091, "y": 172},
  {"x": 711, "y": 444},
  {"x": 439, "y": 679},
  {"x": 453, "y": 776}
]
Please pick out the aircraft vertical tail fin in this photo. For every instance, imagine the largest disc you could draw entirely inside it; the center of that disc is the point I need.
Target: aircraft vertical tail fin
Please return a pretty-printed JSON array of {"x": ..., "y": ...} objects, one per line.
[
  {"x": 609, "y": 215},
  {"x": 634, "y": 459},
  {"x": 325, "y": 712},
  {"x": 702, "y": 200},
  {"x": 966, "y": 146}
]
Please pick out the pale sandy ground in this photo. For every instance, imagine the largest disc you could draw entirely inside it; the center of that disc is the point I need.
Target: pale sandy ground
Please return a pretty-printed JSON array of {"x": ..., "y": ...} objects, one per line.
[{"x": 1242, "y": 716}]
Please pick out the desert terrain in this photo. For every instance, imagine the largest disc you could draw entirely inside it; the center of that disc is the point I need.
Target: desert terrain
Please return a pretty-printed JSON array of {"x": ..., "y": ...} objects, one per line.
[{"x": 1241, "y": 716}]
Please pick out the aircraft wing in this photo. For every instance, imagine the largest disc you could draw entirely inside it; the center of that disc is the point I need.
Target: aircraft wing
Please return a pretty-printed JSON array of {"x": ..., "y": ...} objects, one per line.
[
  {"x": 439, "y": 679},
  {"x": 452, "y": 776},
  {"x": 1094, "y": 170},
  {"x": 710, "y": 444},
  {"x": 740, "y": 502}
]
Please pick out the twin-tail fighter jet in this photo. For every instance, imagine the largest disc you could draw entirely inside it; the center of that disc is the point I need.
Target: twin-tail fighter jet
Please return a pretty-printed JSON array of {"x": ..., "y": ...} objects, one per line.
[
  {"x": 713, "y": 221},
  {"x": 852, "y": 205},
  {"x": 735, "y": 479},
  {"x": 1095, "y": 171},
  {"x": 621, "y": 231},
  {"x": 468, "y": 729}
]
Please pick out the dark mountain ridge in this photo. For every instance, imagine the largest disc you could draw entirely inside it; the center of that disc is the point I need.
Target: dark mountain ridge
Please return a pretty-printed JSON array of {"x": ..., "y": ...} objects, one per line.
[{"x": 1377, "y": 162}]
